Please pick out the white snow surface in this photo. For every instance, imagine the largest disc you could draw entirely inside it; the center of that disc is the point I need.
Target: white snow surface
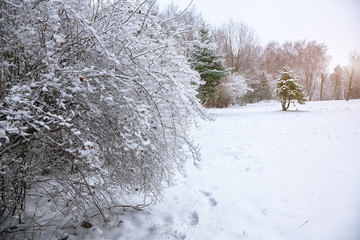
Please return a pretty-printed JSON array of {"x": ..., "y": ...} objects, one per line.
[{"x": 265, "y": 174}]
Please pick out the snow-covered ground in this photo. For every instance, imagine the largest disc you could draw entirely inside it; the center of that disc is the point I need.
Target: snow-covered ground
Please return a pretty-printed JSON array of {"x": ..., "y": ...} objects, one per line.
[{"x": 265, "y": 174}]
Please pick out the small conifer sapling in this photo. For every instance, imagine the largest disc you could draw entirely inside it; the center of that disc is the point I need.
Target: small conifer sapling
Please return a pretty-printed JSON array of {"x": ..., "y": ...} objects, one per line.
[{"x": 288, "y": 89}]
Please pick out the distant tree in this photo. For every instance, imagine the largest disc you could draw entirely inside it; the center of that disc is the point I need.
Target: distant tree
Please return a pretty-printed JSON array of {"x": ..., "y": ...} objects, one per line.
[
  {"x": 351, "y": 70},
  {"x": 355, "y": 89},
  {"x": 210, "y": 66},
  {"x": 239, "y": 45},
  {"x": 275, "y": 56},
  {"x": 323, "y": 78},
  {"x": 313, "y": 61},
  {"x": 336, "y": 79},
  {"x": 261, "y": 89},
  {"x": 288, "y": 88}
]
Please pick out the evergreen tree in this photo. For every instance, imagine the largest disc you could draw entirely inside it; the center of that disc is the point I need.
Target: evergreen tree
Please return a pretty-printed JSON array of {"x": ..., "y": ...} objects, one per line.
[
  {"x": 261, "y": 90},
  {"x": 210, "y": 67},
  {"x": 264, "y": 88},
  {"x": 288, "y": 88}
]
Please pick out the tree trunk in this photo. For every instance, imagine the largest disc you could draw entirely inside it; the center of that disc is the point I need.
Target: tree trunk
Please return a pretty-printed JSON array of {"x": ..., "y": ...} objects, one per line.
[
  {"x": 288, "y": 104},
  {"x": 349, "y": 88},
  {"x": 350, "y": 75},
  {"x": 285, "y": 104},
  {"x": 336, "y": 90},
  {"x": 323, "y": 78}
]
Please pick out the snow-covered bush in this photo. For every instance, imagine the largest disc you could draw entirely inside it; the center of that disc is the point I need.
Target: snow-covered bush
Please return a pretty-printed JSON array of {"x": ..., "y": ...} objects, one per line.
[
  {"x": 231, "y": 90},
  {"x": 96, "y": 104}
]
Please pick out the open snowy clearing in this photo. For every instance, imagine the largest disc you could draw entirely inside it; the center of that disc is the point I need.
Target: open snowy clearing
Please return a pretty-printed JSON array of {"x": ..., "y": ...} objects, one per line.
[{"x": 265, "y": 174}]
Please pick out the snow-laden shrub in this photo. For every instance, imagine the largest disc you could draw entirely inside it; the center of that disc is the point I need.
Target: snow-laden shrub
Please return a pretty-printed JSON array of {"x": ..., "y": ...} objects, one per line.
[
  {"x": 96, "y": 105},
  {"x": 231, "y": 90}
]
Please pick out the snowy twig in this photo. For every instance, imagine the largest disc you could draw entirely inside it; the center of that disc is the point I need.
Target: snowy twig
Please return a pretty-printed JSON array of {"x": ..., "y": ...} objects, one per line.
[
  {"x": 137, "y": 207},
  {"x": 179, "y": 14},
  {"x": 143, "y": 23},
  {"x": 303, "y": 224},
  {"x": 134, "y": 12}
]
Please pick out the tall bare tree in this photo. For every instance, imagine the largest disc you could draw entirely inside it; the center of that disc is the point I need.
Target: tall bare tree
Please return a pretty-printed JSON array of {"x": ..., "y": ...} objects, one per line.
[
  {"x": 350, "y": 70},
  {"x": 240, "y": 46},
  {"x": 323, "y": 77},
  {"x": 336, "y": 79},
  {"x": 273, "y": 58},
  {"x": 313, "y": 63}
]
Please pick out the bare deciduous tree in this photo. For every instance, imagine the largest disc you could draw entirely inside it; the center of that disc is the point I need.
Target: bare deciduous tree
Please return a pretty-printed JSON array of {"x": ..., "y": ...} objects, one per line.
[
  {"x": 240, "y": 46},
  {"x": 336, "y": 79},
  {"x": 350, "y": 70},
  {"x": 323, "y": 78}
]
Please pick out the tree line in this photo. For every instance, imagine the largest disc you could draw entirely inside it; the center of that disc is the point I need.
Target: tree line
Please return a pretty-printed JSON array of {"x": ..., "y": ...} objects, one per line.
[{"x": 252, "y": 68}]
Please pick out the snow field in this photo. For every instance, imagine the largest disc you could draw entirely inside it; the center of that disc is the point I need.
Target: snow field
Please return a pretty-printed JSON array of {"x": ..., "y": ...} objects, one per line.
[
  {"x": 290, "y": 175},
  {"x": 265, "y": 174}
]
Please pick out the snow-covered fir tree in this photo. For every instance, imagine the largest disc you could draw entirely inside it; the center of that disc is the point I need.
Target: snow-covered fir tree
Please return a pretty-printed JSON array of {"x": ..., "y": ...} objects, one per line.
[
  {"x": 288, "y": 88},
  {"x": 209, "y": 65}
]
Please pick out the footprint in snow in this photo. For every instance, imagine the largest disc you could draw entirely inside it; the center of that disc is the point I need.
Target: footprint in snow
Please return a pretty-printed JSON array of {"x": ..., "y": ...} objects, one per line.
[
  {"x": 207, "y": 194},
  {"x": 193, "y": 218},
  {"x": 212, "y": 200}
]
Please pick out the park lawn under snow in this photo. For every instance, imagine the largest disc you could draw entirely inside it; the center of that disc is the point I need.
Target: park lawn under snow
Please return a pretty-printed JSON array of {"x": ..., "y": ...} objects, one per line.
[{"x": 265, "y": 174}]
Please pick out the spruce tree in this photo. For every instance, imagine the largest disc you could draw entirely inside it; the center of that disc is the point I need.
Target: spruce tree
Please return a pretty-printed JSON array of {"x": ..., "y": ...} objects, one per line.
[
  {"x": 261, "y": 90},
  {"x": 204, "y": 60},
  {"x": 288, "y": 88}
]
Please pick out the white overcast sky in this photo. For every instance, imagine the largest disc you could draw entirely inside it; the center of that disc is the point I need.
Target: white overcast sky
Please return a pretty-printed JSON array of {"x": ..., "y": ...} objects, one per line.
[{"x": 333, "y": 22}]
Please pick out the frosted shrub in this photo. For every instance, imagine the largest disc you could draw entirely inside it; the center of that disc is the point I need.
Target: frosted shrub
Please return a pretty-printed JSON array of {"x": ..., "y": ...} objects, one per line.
[
  {"x": 231, "y": 90},
  {"x": 97, "y": 105}
]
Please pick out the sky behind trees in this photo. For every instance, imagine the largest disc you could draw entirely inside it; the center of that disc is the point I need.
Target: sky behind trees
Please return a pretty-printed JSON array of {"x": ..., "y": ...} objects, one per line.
[{"x": 333, "y": 22}]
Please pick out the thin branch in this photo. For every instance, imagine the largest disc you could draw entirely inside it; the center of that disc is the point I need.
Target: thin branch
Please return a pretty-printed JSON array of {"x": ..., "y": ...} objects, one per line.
[
  {"x": 92, "y": 196},
  {"x": 134, "y": 12},
  {"x": 137, "y": 207},
  {"x": 179, "y": 14},
  {"x": 143, "y": 23},
  {"x": 148, "y": 51}
]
